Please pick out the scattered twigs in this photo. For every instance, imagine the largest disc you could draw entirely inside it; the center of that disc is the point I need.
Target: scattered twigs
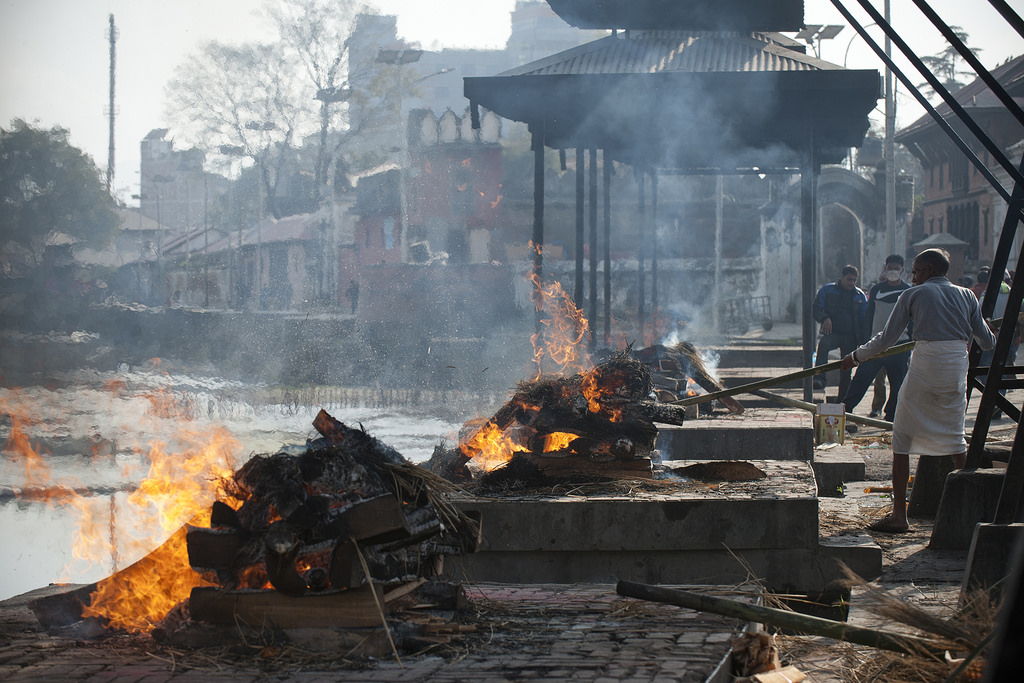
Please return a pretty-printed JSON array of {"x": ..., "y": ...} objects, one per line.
[{"x": 783, "y": 619}]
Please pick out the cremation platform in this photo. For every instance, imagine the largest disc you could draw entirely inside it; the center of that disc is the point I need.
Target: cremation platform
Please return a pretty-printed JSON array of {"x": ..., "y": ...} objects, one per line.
[
  {"x": 670, "y": 531},
  {"x": 758, "y": 433}
]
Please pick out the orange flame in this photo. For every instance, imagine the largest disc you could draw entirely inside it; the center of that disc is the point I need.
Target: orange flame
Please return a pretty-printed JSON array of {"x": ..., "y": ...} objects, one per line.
[
  {"x": 558, "y": 441},
  {"x": 179, "y": 489},
  {"x": 490, "y": 447},
  {"x": 565, "y": 329}
]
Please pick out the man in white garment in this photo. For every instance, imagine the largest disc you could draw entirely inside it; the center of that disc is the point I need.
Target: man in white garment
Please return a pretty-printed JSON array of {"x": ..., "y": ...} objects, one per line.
[{"x": 932, "y": 403}]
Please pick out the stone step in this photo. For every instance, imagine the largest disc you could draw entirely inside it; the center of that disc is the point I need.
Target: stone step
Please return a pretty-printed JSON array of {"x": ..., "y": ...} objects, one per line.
[
  {"x": 690, "y": 535},
  {"x": 747, "y": 355},
  {"x": 758, "y": 434}
]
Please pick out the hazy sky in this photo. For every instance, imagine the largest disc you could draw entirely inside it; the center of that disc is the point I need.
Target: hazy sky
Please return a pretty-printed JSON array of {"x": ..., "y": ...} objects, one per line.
[{"x": 54, "y": 53}]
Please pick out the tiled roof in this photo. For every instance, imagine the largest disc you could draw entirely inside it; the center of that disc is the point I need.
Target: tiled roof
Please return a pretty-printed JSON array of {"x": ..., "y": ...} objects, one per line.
[
  {"x": 672, "y": 51},
  {"x": 976, "y": 95}
]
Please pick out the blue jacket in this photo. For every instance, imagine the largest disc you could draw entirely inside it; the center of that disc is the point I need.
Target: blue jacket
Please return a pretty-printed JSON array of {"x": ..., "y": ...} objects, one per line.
[{"x": 848, "y": 310}]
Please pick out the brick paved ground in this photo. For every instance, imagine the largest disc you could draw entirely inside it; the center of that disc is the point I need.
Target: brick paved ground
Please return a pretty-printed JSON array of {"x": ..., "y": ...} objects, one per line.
[{"x": 540, "y": 632}]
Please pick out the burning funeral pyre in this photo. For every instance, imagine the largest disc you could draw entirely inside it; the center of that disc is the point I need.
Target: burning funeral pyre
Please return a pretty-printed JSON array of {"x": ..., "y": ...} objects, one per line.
[
  {"x": 326, "y": 538},
  {"x": 597, "y": 423}
]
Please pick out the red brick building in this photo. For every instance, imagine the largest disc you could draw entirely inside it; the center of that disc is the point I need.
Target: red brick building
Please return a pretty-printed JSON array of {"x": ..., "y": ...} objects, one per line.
[{"x": 957, "y": 199}]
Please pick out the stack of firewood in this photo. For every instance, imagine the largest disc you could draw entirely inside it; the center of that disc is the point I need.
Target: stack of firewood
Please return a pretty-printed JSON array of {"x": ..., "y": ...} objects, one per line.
[
  {"x": 598, "y": 423},
  {"x": 348, "y": 514}
]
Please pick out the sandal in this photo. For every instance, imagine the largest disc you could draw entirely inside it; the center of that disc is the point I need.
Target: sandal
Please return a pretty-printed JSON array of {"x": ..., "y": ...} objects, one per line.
[{"x": 886, "y": 526}]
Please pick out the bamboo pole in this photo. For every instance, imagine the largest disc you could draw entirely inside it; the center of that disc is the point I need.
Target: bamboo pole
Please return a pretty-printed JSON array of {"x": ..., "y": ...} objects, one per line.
[
  {"x": 811, "y": 407},
  {"x": 795, "y": 621},
  {"x": 806, "y": 372},
  {"x": 782, "y": 379}
]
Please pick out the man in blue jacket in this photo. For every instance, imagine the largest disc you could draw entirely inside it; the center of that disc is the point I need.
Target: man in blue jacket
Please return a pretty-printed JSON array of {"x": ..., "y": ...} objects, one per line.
[
  {"x": 881, "y": 300},
  {"x": 842, "y": 310}
]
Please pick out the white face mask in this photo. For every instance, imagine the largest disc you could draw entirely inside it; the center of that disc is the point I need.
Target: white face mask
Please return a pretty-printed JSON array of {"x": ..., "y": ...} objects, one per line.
[{"x": 892, "y": 275}]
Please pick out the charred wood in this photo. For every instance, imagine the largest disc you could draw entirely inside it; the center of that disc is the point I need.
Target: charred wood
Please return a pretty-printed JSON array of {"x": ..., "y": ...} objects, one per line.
[{"x": 354, "y": 608}]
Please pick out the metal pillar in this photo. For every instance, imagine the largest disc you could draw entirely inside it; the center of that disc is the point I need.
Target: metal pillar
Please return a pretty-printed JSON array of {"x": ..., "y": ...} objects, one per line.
[{"x": 994, "y": 374}]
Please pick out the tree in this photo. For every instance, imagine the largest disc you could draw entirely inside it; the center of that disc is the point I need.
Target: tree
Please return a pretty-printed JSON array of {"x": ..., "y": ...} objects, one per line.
[
  {"x": 317, "y": 31},
  {"x": 948, "y": 65},
  {"x": 48, "y": 186},
  {"x": 243, "y": 101}
]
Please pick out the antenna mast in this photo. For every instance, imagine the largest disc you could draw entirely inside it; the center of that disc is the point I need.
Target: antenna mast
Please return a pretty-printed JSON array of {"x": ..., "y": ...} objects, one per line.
[{"x": 111, "y": 112}]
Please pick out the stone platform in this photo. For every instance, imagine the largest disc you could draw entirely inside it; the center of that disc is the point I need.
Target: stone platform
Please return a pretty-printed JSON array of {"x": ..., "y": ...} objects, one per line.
[
  {"x": 668, "y": 531},
  {"x": 759, "y": 434}
]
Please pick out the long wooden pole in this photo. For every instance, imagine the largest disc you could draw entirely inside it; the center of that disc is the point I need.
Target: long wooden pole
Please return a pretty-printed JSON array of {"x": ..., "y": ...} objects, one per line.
[
  {"x": 803, "y": 623},
  {"x": 782, "y": 379},
  {"x": 811, "y": 407}
]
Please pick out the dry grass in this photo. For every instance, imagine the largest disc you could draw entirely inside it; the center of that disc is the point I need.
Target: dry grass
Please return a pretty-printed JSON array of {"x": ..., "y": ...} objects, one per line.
[{"x": 964, "y": 632}]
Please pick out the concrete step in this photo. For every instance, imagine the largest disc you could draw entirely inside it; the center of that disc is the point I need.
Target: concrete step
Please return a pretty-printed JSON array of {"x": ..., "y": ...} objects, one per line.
[
  {"x": 737, "y": 440},
  {"x": 746, "y": 355},
  {"x": 691, "y": 534}
]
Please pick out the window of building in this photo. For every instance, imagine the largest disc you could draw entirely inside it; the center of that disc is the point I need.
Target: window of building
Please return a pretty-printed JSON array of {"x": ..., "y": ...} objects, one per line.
[{"x": 959, "y": 178}]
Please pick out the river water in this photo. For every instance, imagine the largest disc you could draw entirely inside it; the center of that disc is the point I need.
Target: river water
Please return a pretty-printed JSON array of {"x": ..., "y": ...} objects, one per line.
[{"x": 96, "y": 432}]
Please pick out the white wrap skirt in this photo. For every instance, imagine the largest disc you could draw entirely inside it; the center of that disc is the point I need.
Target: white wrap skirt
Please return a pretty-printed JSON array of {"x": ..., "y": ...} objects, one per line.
[{"x": 932, "y": 403}]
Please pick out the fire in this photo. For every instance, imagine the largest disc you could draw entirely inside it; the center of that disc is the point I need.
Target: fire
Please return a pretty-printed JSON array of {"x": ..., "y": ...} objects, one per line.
[
  {"x": 490, "y": 447},
  {"x": 565, "y": 329},
  {"x": 177, "y": 491},
  {"x": 558, "y": 441},
  {"x": 560, "y": 345},
  {"x": 179, "y": 486}
]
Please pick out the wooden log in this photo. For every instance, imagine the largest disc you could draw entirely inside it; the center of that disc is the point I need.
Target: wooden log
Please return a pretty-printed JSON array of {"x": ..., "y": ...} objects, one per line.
[
  {"x": 281, "y": 545},
  {"x": 375, "y": 520},
  {"x": 637, "y": 468},
  {"x": 212, "y": 549},
  {"x": 353, "y": 608},
  {"x": 345, "y": 570},
  {"x": 222, "y": 514},
  {"x": 795, "y": 621},
  {"x": 666, "y": 413}
]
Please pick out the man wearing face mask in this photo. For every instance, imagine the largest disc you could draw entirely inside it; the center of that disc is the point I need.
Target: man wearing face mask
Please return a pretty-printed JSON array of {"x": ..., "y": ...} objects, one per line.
[{"x": 881, "y": 300}]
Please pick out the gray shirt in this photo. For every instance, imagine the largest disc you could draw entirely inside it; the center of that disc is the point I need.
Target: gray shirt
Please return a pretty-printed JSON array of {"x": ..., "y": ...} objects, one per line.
[{"x": 940, "y": 311}]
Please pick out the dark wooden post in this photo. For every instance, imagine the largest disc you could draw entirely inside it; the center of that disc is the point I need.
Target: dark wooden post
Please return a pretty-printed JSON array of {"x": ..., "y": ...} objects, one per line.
[
  {"x": 593, "y": 247},
  {"x": 808, "y": 250},
  {"x": 580, "y": 170},
  {"x": 607, "y": 177},
  {"x": 642, "y": 220},
  {"x": 654, "y": 245},
  {"x": 537, "y": 140}
]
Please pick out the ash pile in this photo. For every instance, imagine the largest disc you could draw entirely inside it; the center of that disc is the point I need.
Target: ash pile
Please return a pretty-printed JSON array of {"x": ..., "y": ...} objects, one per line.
[{"x": 595, "y": 424}]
